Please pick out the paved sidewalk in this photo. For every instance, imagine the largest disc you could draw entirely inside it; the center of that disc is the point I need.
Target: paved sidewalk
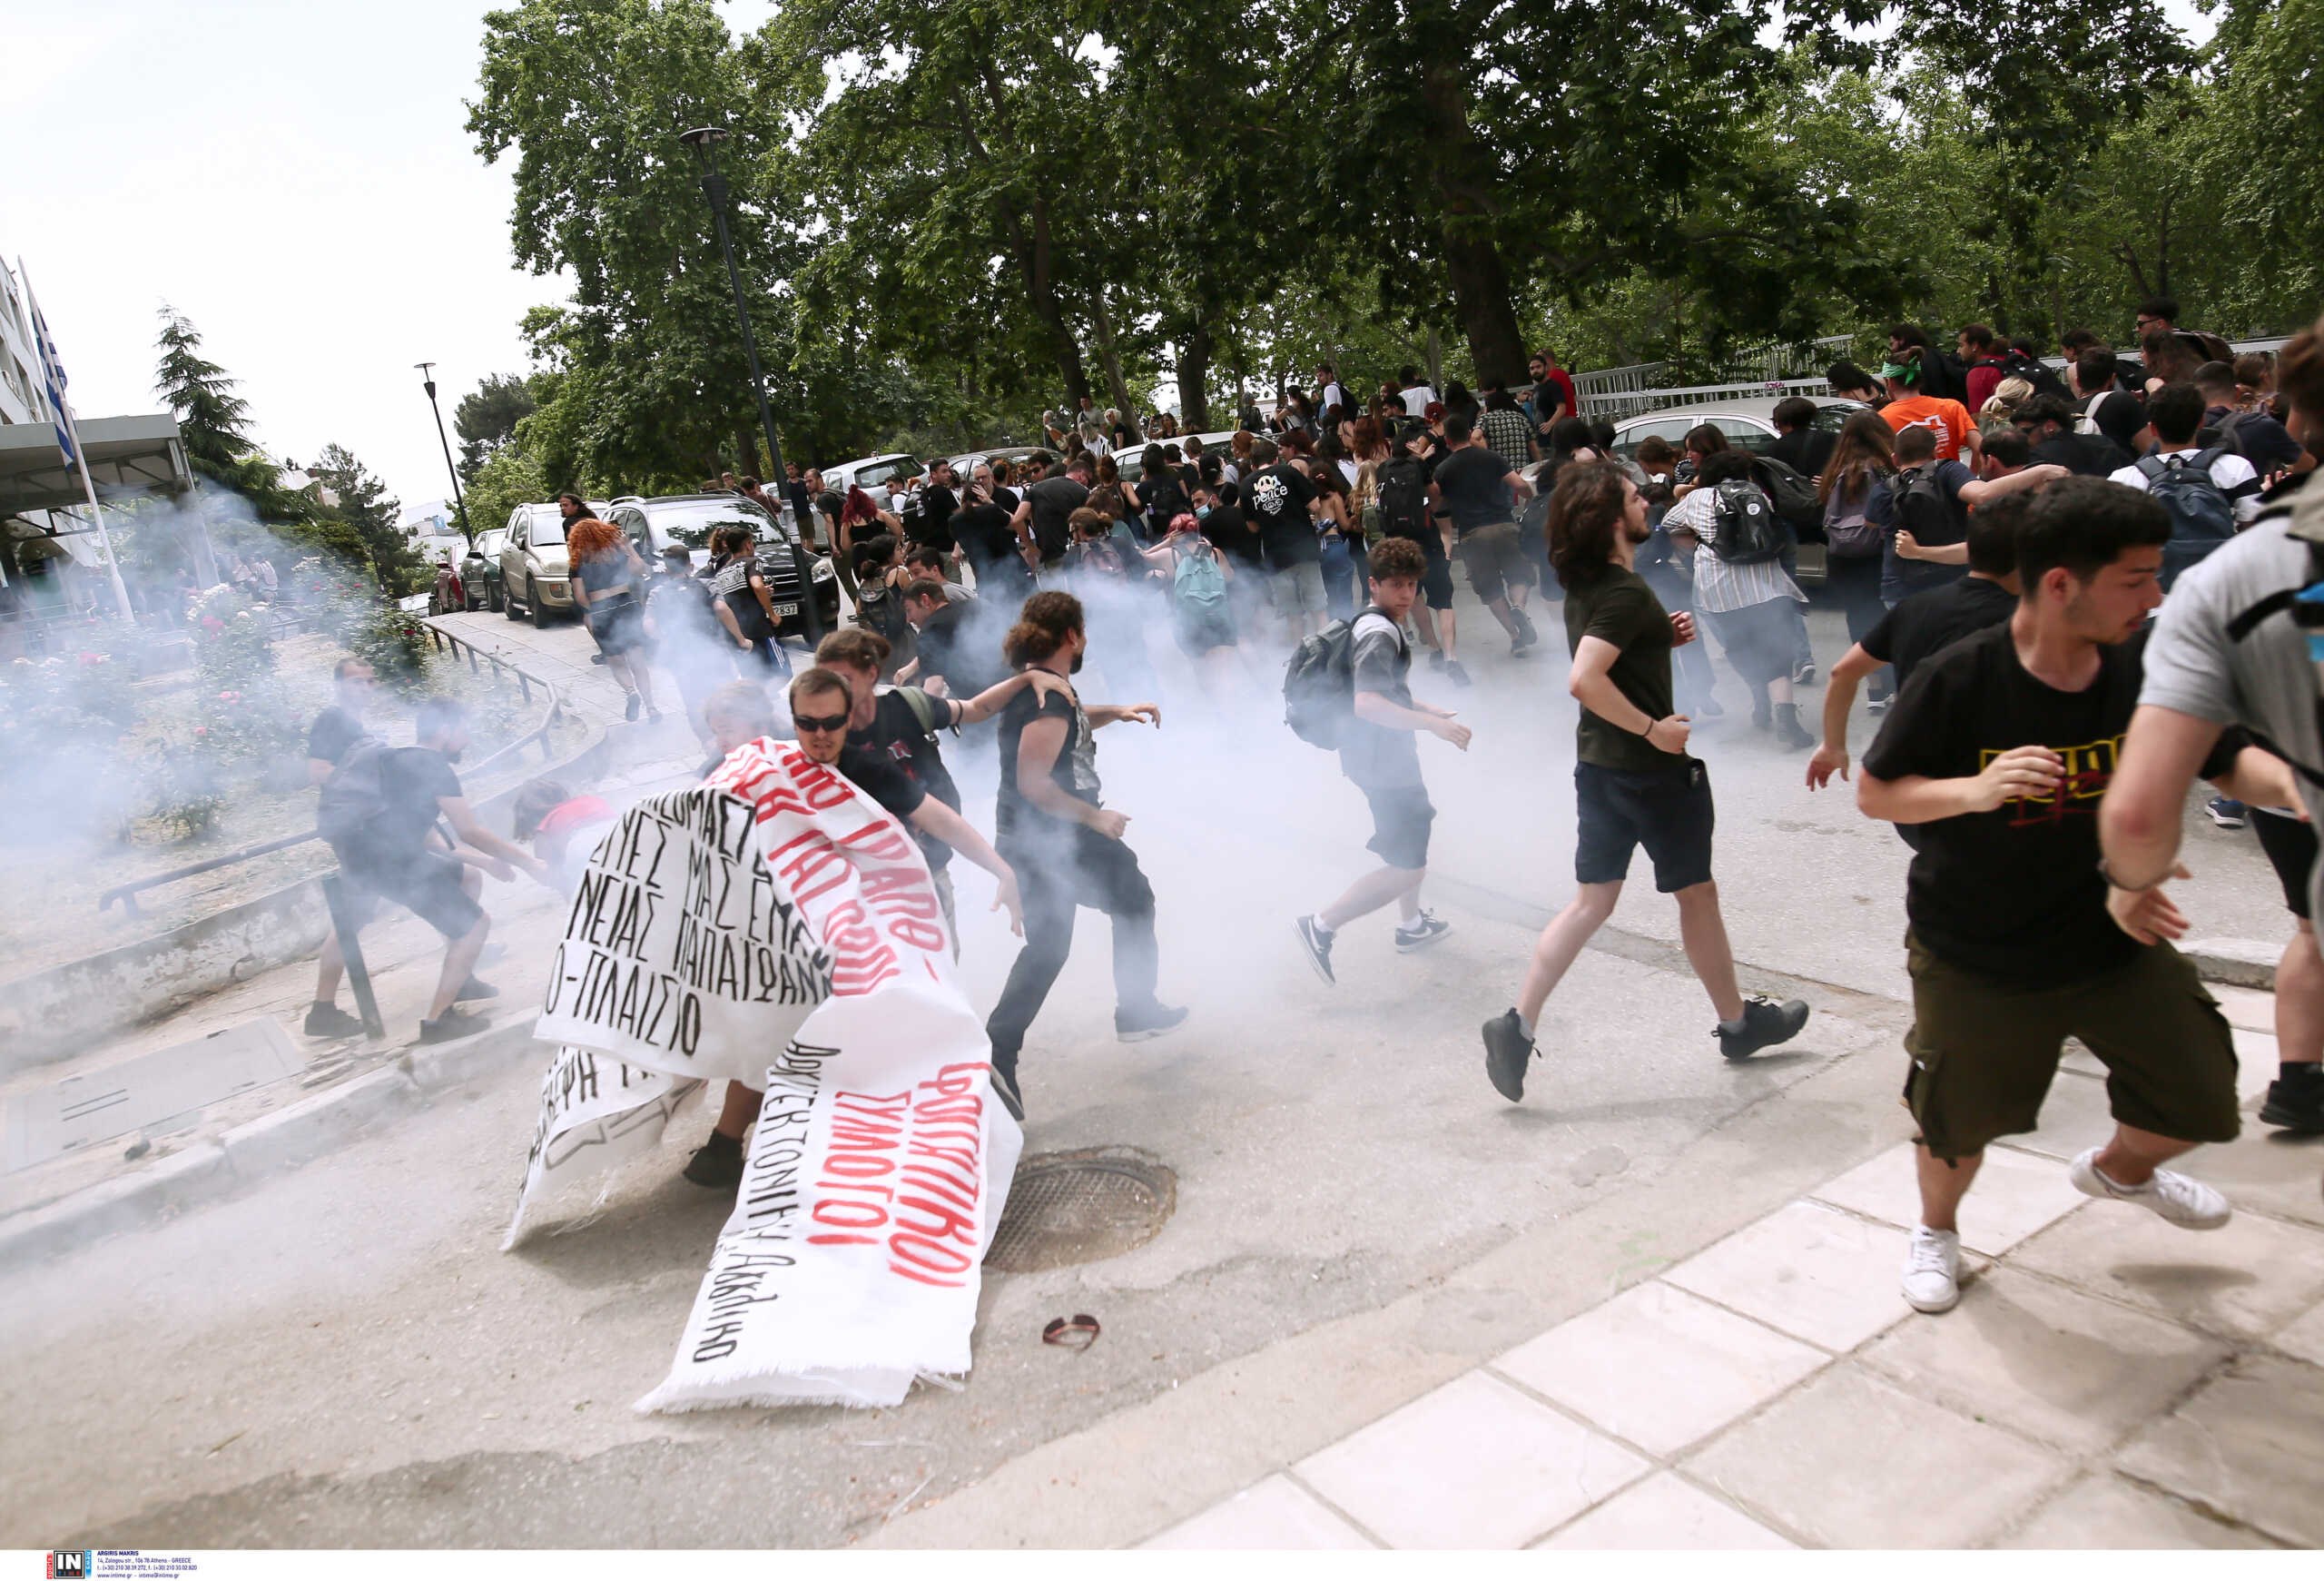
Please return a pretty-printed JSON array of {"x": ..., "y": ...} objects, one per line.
[{"x": 2107, "y": 1381}]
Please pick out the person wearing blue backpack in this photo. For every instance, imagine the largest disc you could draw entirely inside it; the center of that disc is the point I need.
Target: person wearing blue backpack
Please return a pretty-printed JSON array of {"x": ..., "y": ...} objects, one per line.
[
  {"x": 1200, "y": 613},
  {"x": 1378, "y": 721}
]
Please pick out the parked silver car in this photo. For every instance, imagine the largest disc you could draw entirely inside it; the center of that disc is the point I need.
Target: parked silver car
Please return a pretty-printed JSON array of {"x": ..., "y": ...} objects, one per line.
[
  {"x": 535, "y": 579},
  {"x": 1750, "y": 423}
]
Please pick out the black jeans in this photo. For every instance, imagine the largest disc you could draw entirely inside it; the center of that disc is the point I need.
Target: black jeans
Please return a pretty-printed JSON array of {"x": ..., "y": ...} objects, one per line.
[
  {"x": 1057, "y": 875},
  {"x": 1856, "y": 579}
]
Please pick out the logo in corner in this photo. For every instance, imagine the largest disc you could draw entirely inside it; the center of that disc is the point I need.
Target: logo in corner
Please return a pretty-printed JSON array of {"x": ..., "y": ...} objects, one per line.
[{"x": 70, "y": 1565}]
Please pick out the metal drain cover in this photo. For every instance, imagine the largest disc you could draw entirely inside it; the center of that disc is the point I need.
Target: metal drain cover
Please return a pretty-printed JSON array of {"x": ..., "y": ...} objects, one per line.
[{"x": 1069, "y": 1208}]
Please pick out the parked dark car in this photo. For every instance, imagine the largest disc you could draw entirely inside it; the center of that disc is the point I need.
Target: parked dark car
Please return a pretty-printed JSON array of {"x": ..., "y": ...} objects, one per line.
[{"x": 655, "y": 524}]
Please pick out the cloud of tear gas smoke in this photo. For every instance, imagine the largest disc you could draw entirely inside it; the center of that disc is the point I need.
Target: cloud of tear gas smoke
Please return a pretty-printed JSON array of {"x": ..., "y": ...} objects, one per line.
[
  {"x": 1238, "y": 824},
  {"x": 124, "y": 746}
]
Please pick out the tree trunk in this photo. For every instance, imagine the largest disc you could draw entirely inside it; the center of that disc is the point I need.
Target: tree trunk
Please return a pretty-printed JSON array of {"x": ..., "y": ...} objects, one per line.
[
  {"x": 1435, "y": 360},
  {"x": 1464, "y": 182},
  {"x": 747, "y": 453},
  {"x": 1194, "y": 379},
  {"x": 1109, "y": 358}
]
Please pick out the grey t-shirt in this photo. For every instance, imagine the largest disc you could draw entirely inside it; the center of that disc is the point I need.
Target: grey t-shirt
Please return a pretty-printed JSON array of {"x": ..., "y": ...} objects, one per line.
[
  {"x": 2265, "y": 682},
  {"x": 1372, "y": 755}
]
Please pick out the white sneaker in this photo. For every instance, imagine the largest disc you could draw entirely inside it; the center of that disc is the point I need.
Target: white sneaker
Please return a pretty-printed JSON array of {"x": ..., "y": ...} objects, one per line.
[
  {"x": 1933, "y": 1269},
  {"x": 2180, "y": 1199}
]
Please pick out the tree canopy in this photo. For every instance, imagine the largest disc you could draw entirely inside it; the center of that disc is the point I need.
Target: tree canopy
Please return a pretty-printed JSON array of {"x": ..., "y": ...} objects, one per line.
[{"x": 949, "y": 215}]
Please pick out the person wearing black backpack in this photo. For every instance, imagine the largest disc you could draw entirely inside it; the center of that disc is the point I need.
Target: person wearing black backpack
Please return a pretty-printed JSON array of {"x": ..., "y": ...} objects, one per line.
[
  {"x": 379, "y": 811},
  {"x": 1402, "y": 494},
  {"x": 2207, "y": 494},
  {"x": 1737, "y": 542},
  {"x": 2252, "y": 433},
  {"x": 1635, "y": 784},
  {"x": 1379, "y": 753}
]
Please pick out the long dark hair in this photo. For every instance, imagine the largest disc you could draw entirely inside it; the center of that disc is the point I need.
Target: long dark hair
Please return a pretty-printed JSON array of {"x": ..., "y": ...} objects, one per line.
[
  {"x": 1865, "y": 449},
  {"x": 1585, "y": 517}
]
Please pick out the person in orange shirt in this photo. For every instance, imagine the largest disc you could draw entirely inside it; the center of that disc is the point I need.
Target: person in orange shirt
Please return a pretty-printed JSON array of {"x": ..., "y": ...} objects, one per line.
[{"x": 1950, "y": 421}]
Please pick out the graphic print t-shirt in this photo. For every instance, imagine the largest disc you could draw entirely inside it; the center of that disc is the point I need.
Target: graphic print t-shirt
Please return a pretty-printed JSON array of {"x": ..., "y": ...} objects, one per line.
[
  {"x": 1276, "y": 504},
  {"x": 2013, "y": 894}
]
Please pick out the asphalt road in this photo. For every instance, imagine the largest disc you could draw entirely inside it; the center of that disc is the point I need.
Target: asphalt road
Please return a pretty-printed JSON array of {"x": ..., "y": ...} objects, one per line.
[{"x": 342, "y": 1357}]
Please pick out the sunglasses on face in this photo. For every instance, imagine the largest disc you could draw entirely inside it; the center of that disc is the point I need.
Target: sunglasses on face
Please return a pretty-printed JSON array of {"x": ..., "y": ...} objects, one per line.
[{"x": 810, "y": 723}]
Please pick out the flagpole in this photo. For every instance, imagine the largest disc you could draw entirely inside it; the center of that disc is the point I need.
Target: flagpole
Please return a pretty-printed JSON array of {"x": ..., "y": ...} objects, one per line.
[{"x": 79, "y": 457}]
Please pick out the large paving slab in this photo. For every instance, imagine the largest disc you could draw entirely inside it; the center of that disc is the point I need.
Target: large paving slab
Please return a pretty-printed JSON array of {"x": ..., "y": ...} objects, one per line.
[
  {"x": 1851, "y": 1461},
  {"x": 2249, "y": 1446}
]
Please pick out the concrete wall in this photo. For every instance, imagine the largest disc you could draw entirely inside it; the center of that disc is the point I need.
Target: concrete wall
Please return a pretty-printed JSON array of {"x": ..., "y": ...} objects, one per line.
[{"x": 54, "y": 1015}]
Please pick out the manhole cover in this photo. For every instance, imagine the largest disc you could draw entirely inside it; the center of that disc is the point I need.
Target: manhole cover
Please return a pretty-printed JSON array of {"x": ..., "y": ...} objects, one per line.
[{"x": 1067, "y": 1208}]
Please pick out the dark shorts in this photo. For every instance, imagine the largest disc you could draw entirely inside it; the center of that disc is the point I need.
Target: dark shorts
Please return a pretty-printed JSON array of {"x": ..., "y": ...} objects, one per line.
[
  {"x": 2290, "y": 845},
  {"x": 1200, "y": 630},
  {"x": 620, "y": 629},
  {"x": 1983, "y": 1050},
  {"x": 1758, "y": 638},
  {"x": 1494, "y": 560},
  {"x": 1436, "y": 581},
  {"x": 1402, "y": 817},
  {"x": 426, "y": 884},
  {"x": 1668, "y": 811}
]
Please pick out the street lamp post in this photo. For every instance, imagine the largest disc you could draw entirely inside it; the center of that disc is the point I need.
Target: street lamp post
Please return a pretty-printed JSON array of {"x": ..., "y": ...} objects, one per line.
[
  {"x": 704, "y": 142},
  {"x": 428, "y": 377}
]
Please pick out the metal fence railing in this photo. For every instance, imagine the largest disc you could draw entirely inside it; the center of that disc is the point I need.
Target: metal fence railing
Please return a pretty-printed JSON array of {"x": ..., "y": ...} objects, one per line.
[{"x": 1628, "y": 403}]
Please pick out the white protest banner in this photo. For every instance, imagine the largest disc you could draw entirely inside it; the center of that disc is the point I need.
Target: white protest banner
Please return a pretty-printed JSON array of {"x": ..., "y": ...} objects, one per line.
[{"x": 779, "y": 928}]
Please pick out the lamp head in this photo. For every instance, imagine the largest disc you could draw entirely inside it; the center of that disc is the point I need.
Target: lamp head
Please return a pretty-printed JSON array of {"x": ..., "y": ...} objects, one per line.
[{"x": 704, "y": 142}]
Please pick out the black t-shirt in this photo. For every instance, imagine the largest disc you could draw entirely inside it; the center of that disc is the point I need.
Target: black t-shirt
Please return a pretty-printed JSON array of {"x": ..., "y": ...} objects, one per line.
[
  {"x": 877, "y": 777},
  {"x": 1234, "y": 537},
  {"x": 1803, "y": 451},
  {"x": 1075, "y": 770},
  {"x": 1008, "y": 498},
  {"x": 1055, "y": 500},
  {"x": 1925, "y": 624},
  {"x": 1168, "y": 492},
  {"x": 1274, "y": 501},
  {"x": 2013, "y": 894},
  {"x": 937, "y": 504},
  {"x": 1620, "y": 609},
  {"x": 895, "y": 739},
  {"x": 2084, "y": 455},
  {"x": 1473, "y": 482},
  {"x": 335, "y": 731},
  {"x": 412, "y": 779}
]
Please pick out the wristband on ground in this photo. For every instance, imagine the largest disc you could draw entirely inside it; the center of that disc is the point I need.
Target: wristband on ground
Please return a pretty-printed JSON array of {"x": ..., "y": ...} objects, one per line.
[{"x": 2114, "y": 883}]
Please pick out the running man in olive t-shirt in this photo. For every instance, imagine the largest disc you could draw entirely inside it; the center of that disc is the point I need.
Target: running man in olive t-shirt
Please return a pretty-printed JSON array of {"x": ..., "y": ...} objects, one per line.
[{"x": 1634, "y": 784}]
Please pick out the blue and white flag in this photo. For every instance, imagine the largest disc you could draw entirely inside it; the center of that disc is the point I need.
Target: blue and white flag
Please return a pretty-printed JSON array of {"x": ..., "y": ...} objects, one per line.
[{"x": 52, "y": 372}]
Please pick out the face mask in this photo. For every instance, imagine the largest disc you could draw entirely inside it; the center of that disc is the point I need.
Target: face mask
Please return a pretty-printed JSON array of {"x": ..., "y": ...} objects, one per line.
[{"x": 1201, "y": 511}]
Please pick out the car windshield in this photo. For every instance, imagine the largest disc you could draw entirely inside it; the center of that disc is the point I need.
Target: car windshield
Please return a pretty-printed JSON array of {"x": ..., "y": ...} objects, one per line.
[
  {"x": 693, "y": 524},
  {"x": 881, "y": 471},
  {"x": 547, "y": 528}
]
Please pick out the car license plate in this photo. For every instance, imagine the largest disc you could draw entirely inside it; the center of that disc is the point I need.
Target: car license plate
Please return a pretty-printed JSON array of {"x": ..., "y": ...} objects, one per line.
[{"x": 782, "y": 609}]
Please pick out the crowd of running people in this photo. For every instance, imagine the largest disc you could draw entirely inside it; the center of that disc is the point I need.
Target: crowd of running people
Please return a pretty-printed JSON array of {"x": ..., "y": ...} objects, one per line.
[{"x": 1998, "y": 535}]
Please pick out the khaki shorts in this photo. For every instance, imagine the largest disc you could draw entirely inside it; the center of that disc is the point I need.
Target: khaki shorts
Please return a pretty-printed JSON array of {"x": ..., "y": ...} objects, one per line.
[
  {"x": 1983, "y": 1050},
  {"x": 1494, "y": 560}
]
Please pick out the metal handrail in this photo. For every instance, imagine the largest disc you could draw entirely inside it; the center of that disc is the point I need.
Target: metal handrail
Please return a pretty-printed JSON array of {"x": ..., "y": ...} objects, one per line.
[{"x": 127, "y": 893}]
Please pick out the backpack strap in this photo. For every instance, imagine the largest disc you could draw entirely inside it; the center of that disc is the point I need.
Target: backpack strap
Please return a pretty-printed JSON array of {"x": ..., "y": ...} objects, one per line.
[
  {"x": 922, "y": 706},
  {"x": 2152, "y": 468}
]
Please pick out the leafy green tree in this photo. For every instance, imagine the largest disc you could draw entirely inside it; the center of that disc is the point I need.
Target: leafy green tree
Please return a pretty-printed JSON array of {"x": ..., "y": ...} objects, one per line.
[
  {"x": 509, "y": 478},
  {"x": 487, "y": 418},
  {"x": 370, "y": 513}
]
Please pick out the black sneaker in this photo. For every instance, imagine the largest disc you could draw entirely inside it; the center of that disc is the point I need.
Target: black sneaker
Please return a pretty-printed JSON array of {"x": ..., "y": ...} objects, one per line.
[
  {"x": 451, "y": 1025},
  {"x": 1526, "y": 634},
  {"x": 1318, "y": 940},
  {"x": 1766, "y": 1023},
  {"x": 1436, "y": 658},
  {"x": 328, "y": 1021},
  {"x": 1454, "y": 673},
  {"x": 629, "y": 709},
  {"x": 1137, "y": 1026},
  {"x": 1508, "y": 1051},
  {"x": 2226, "y": 814},
  {"x": 2297, "y": 1104},
  {"x": 1805, "y": 676},
  {"x": 1004, "y": 1087},
  {"x": 478, "y": 988},
  {"x": 1421, "y": 933},
  {"x": 716, "y": 1163}
]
